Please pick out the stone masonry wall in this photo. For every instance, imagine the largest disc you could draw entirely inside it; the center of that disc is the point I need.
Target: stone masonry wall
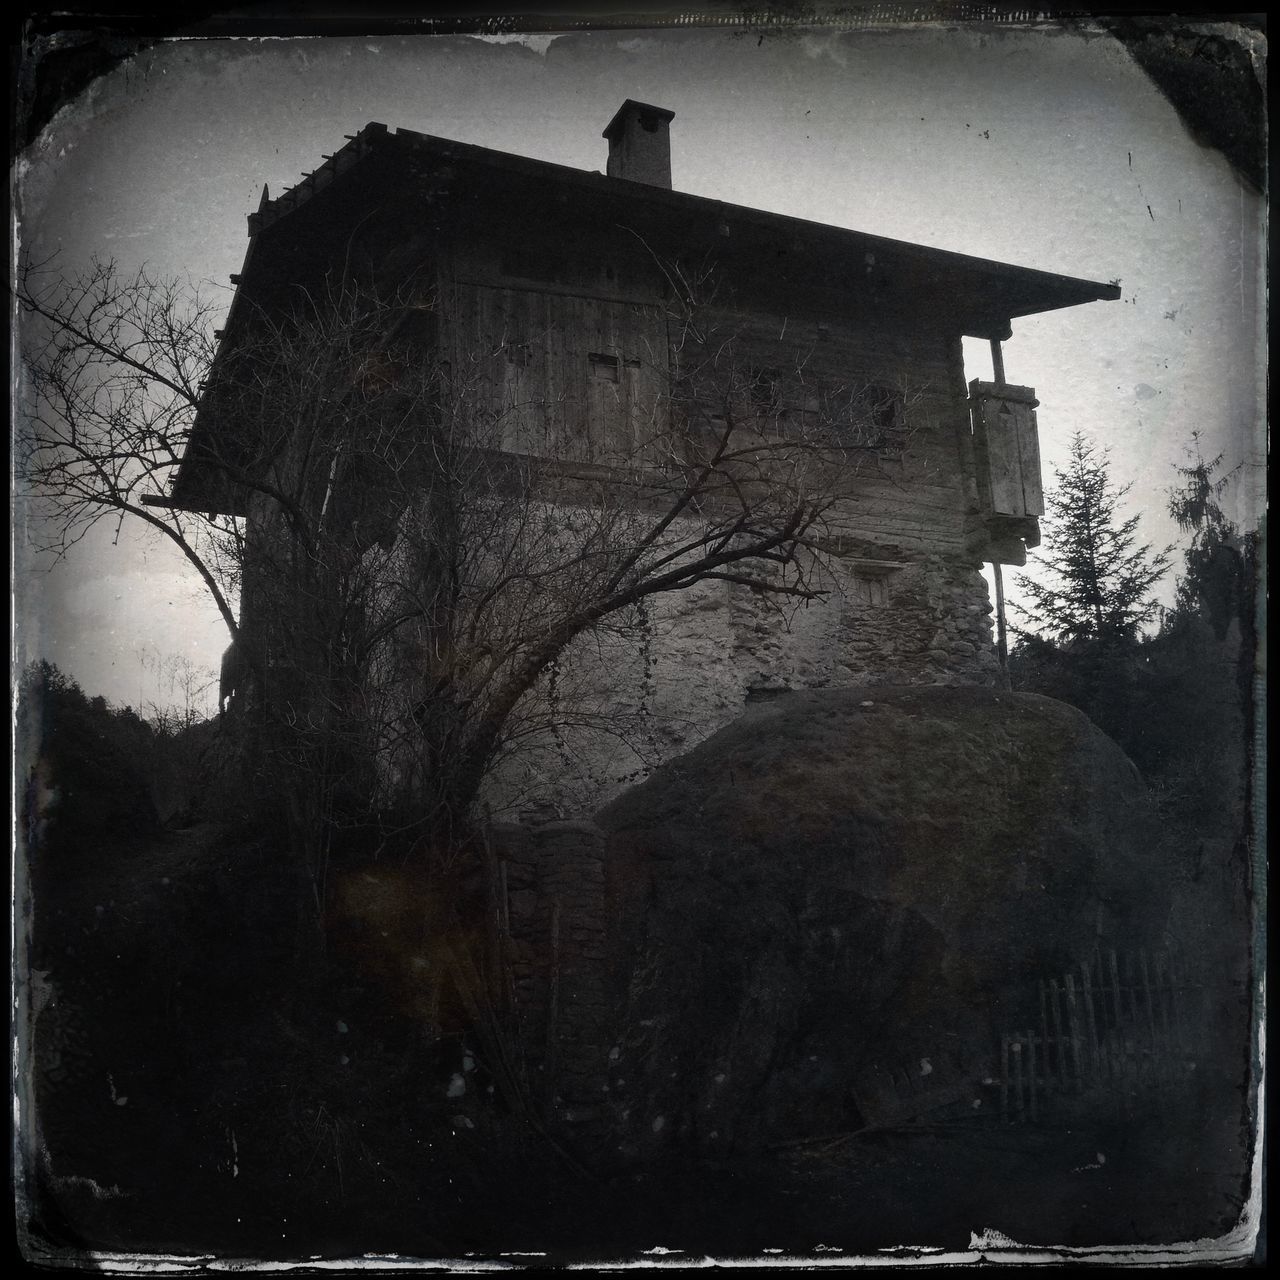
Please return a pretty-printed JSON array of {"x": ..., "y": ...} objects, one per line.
[{"x": 697, "y": 657}]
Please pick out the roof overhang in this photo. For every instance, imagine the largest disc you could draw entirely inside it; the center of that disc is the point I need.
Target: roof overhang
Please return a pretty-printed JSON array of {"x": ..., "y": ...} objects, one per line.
[{"x": 951, "y": 292}]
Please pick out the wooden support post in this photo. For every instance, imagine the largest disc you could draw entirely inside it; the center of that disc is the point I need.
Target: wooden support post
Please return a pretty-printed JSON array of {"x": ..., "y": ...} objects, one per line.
[
  {"x": 1002, "y": 637},
  {"x": 1117, "y": 1002},
  {"x": 1135, "y": 1019},
  {"x": 1073, "y": 1015},
  {"x": 1002, "y": 640},
  {"x": 997, "y": 362},
  {"x": 1109, "y": 981},
  {"x": 1157, "y": 1054},
  {"x": 1134, "y": 975},
  {"x": 1090, "y": 1022}
]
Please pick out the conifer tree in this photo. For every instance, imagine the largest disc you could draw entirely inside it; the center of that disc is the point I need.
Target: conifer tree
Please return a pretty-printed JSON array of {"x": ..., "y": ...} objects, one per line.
[
  {"x": 1100, "y": 578},
  {"x": 1201, "y": 662},
  {"x": 1212, "y": 585}
]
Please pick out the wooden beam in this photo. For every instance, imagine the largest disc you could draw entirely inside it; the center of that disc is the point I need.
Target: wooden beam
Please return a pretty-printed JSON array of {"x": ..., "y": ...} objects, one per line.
[{"x": 1002, "y": 640}]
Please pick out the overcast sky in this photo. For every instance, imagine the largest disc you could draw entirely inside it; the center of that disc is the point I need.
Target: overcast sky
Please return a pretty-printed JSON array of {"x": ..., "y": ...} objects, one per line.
[{"x": 1036, "y": 147}]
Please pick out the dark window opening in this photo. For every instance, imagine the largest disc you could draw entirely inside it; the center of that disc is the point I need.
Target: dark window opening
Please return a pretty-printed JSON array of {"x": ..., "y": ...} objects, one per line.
[
  {"x": 604, "y": 367},
  {"x": 886, "y": 410},
  {"x": 871, "y": 590}
]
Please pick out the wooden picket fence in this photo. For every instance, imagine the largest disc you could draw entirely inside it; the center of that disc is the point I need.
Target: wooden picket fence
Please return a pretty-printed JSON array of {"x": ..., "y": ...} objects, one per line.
[{"x": 1118, "y": 1025}]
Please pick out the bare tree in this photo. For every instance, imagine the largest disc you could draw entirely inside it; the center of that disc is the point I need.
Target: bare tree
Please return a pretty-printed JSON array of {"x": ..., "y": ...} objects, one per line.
[
  {"x": 416, "y": 544},
  {"x": 189, "y": 686},
  {"x": 412, "y": 563},
  {"x": 114, "y": 369}
]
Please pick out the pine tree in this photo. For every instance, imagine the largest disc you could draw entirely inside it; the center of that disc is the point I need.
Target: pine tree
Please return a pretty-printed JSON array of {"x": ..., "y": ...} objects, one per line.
[
  {"x": 1213, "y": 583},
  {"x": 1101, "y": 579},
  {"x": 1201, "y": 661}
]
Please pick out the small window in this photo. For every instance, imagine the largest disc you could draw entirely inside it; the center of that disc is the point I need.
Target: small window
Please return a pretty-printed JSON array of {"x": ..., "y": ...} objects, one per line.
[
  {"x": 518, "y": 354},
  {"x": 604, "y": 367},
  {"x": 872, "y": 591}
]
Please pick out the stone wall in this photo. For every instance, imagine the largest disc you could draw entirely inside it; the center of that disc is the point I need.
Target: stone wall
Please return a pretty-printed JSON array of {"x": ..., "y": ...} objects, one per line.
[{"x": 666, "y": 680}]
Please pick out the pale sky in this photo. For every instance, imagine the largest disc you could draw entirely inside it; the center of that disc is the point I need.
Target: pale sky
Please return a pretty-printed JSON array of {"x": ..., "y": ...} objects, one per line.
[{"x": 1036, "y": 147}]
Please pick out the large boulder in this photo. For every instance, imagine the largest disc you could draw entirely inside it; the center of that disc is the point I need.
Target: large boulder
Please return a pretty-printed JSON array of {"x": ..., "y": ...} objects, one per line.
[{"x": 848, "y": 884}]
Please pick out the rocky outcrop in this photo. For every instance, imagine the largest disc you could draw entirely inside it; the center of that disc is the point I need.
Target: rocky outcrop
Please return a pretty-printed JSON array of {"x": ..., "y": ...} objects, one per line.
[{"x": 847, "y": 880}]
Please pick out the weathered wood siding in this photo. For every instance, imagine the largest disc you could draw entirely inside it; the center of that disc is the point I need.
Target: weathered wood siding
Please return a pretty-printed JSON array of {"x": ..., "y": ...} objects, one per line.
[
  {"x": 572, "y": 356},
  {"x": 1007, "y": 448},
  {"x": 911, "y": 494},
  {"x": 572, "y": 365}
]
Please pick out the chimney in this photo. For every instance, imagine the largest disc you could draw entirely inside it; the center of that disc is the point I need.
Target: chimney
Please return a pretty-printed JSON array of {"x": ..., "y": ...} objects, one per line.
[{"x": 640, "y": 144}]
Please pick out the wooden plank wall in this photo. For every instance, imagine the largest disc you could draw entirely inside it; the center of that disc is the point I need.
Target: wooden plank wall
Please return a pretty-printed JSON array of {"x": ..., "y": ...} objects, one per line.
[
  {"x": 571, "y": 377},
  {"x": 914, "y": 498},
  {"x": 577, "y": 367}
]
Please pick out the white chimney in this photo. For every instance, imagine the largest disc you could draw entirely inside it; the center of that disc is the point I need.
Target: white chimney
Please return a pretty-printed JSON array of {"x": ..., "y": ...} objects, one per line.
[{"x": 640, "y": 144}]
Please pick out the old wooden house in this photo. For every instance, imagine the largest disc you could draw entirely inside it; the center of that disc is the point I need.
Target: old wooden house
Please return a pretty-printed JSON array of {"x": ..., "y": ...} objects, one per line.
[{"x": 561, "y": 291}]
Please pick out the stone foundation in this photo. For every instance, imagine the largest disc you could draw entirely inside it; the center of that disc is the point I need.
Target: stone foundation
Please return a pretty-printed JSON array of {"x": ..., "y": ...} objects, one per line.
[{"x": 690, "y": 663}]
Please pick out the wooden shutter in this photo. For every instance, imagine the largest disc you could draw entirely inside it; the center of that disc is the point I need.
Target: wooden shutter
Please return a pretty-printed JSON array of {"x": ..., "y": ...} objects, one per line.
[{"x": 1007, "y": 448}]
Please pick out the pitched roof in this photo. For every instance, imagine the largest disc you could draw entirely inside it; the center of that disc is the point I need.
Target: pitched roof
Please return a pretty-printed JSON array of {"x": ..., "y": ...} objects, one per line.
[
  {"x": 951, "y": 292},
  {"x": 981, "y": 295}
]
